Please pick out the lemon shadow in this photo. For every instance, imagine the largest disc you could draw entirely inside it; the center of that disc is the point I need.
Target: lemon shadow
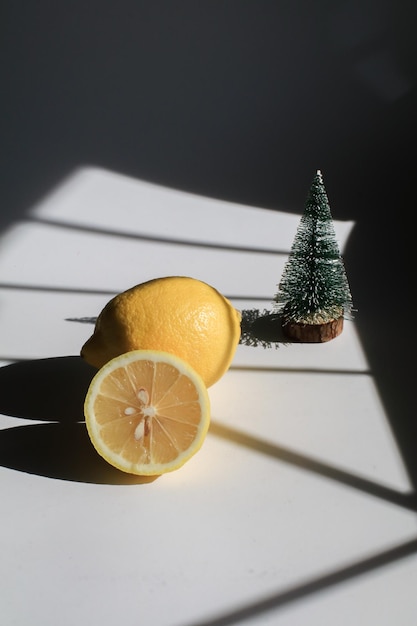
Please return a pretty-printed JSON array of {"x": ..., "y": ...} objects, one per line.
[
  {"x": 60, "y": 451},
  {"x": 52, "y": 391}
]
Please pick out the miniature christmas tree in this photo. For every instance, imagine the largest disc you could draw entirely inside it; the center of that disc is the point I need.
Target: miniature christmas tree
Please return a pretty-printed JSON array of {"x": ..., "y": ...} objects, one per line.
[{"x": 313, "y": 295}]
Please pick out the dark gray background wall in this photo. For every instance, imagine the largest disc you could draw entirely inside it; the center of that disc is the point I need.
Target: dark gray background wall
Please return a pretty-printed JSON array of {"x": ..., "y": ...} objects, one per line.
[{"x": 241, "y": 100}]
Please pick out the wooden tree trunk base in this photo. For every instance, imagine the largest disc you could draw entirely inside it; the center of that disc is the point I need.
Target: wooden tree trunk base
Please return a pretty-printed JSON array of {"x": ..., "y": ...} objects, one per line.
[{"x": 312, "y": 333}]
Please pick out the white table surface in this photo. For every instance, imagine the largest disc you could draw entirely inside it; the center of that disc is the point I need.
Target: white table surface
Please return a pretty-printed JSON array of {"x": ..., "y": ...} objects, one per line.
[{"x": 293, "y": 513}]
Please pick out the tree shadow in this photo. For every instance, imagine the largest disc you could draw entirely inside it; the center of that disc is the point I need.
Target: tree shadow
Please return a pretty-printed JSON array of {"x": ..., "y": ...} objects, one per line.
[
  {"x": 53, "y": 390},
  {"x": 262, "y": 328}
]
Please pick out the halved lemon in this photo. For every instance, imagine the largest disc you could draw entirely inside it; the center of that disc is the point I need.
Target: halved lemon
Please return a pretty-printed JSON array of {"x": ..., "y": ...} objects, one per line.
[{"x": 147, "y": 412}]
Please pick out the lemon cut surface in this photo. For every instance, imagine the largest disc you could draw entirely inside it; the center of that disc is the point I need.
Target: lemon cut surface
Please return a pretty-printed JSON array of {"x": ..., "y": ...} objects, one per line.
[{"x": 147, "y": 412}]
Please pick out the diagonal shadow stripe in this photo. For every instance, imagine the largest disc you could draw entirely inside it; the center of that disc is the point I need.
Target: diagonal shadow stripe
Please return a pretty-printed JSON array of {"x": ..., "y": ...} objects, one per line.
[
  {"x": 278, "y": 600},
  {"x": 104, "y": 292},
  {"x": 55, "y": 289},
  {"x": 298, "y": 370},
  {"x": 142, "y": 237},
  {"x": 254, "y": 368},
  {"x": 405, "y": 500}
]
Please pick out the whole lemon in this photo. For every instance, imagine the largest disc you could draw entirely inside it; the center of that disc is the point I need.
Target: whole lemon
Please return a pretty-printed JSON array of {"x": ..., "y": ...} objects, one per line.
[{"x": 177, "y": 314}]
